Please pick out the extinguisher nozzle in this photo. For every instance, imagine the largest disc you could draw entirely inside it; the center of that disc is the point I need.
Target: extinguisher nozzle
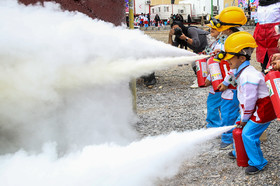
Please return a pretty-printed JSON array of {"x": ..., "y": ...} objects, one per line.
[
  {"x": 238, "y": 126},
  {"x": 268, "y": 69}
]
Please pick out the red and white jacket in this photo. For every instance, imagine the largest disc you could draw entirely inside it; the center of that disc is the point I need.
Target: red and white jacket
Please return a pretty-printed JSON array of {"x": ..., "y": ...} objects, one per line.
[
  {"x": 265, "y": 34},
  {"x": 253, "y": 95}
]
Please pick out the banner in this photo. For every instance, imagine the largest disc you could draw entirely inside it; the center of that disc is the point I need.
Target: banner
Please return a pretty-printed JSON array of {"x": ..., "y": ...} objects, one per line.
[
  {"x": 244, "y": 4},
  {"x": 127, "y": 6}
]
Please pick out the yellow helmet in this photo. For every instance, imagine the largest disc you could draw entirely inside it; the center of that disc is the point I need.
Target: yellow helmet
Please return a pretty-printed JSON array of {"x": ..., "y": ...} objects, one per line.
[
  {"x": 238, "y": 41},
  {"x": 232, "y": 16}
]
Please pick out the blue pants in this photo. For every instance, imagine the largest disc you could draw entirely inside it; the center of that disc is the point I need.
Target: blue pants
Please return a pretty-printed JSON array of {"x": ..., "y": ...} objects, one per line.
[
  {"x": 229, "y": 114},
  {"x": 213, "y": 118},
  {"x": 251, "y": 138}
]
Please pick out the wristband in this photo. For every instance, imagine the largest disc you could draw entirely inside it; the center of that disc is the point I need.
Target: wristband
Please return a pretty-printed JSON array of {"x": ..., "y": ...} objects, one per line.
[{"x": 186, "y": 39}]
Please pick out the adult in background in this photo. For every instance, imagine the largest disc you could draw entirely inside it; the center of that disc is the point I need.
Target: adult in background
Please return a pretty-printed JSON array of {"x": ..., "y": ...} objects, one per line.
[
  {"x": 149, "y": 19},
  {"x": 171, "y": 19},
  {"x": 265, "y": 35},
  {"x": 189, "y": 20},
  {"x": 157, "y": 20},
  {"x": 188, "y": 37}
]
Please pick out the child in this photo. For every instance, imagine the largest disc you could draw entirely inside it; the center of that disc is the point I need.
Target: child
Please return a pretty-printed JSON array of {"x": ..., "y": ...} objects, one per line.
[
  {"x": 255, "y": 104},
  {"x": 228, "y": 21},
  {"x": 213, "y": 118}
]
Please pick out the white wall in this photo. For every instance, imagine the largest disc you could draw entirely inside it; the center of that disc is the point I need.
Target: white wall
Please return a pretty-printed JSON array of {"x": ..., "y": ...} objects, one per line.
[
  {"x": 165, "y": 11},
  {"x": 141, "y": 7},
  {"x": 195, "y": 8},
  {"x": 203, "y": 7}
]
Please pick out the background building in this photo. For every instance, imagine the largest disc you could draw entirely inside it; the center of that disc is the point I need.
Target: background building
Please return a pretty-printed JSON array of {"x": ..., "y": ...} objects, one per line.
[
  {"x": 195, "y": 8},
  {"x": 163, "y": 2},
  {"x": 230, "y": 3}
]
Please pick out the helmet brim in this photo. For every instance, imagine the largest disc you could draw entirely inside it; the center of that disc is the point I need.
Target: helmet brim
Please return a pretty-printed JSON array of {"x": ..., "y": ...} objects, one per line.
[
  {"x": 228, "y": 56},
  {"x": 209, "y": 25},
  {"x": 223, "y": 28}
]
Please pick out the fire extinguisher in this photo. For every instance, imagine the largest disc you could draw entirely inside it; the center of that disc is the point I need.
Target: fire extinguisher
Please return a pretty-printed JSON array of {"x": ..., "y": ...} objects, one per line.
[
  {"x": 215, "y": 72},
  {"x": 241, "y": 155},
  {"x": 224, "y": 66},
  {"x": 272, "y": 80},
  {"x": 201, "y": 72}
]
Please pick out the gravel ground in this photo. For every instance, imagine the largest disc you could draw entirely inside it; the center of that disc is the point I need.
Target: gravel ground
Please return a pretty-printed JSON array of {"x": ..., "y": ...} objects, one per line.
[{"x": 171, "y": 105}]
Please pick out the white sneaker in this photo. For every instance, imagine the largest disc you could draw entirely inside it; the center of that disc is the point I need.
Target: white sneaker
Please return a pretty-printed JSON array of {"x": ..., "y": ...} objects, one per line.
[{"x": 195, "y": 85}]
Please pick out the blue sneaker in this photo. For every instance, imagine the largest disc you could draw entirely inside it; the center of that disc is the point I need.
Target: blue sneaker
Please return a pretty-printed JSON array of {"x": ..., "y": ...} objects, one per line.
[
  {"x": 252, "y": 170},
  {"x": 231, "y": 156}
]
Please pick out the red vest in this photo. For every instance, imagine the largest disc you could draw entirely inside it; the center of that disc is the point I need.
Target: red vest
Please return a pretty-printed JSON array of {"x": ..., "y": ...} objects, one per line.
[{"x": 264, "y": 111}]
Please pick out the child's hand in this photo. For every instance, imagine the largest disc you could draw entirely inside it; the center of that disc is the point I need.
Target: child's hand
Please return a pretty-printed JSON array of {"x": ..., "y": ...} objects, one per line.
[
  {"x": 242, "y": 123},
  {"x": 275, "y": 56},
  {"x": 276, "y": 64},
  {"x": 222, "y": 87},
  {"x": 216, "y": 51},
  {"x": 207, "y": 83}
]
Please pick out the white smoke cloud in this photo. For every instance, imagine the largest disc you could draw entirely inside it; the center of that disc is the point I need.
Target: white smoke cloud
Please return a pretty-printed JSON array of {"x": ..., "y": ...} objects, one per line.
[
  {"x": 139, "y": 163},
  {"x": 52, "y": 66},
  {"x": 64, "y": 88}
]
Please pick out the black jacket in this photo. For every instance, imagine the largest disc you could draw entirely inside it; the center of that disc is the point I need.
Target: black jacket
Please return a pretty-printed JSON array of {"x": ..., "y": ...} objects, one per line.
[
  {"x": 267, "y": 2},
  {"x": 198, "y": 36}
]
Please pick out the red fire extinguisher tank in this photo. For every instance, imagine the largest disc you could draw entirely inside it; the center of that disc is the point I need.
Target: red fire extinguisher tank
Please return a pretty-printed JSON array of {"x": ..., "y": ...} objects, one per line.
[
  {"x": 272, "y": 80},
  {"x": 201, "y": 72},
  {"x": 215, "y": 72},
  {"x": 241, "y": 155}
]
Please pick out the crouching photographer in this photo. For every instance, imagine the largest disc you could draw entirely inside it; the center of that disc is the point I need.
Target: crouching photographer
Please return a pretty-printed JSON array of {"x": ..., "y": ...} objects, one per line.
[{"x": 188, "y": 37}]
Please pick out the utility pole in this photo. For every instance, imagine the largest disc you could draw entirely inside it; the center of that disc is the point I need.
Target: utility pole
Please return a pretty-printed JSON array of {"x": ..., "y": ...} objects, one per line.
[
  {"x": 249, "y": 10},
  {"x": 218, "y": 7},
  {"x": 172, "y": 2},
  {"x": 131, "y": 14},
  {"x": 132, "y": 83},
  {"x": 211, "y": 8}
]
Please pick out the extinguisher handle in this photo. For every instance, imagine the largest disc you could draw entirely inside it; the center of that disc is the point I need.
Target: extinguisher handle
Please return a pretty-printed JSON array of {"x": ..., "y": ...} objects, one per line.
[
  {"x": 268, "y": 69},
  {"x": 238, "y": 124}
]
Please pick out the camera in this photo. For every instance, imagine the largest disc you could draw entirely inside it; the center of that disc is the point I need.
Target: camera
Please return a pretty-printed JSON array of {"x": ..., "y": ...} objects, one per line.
[{"x": 178, "y": 32}]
